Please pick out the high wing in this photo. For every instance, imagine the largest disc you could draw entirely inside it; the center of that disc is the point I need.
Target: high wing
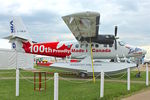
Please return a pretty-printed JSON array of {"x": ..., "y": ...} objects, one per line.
[{"x": 83, "y": 25}]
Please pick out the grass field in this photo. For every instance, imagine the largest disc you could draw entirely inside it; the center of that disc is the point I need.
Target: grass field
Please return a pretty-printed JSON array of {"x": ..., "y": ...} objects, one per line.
[{"x": 68, "y": 90}]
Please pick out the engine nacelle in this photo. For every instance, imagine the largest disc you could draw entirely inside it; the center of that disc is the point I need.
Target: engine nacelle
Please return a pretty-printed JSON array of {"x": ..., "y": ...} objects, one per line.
[{"x": 101, "y": 39}]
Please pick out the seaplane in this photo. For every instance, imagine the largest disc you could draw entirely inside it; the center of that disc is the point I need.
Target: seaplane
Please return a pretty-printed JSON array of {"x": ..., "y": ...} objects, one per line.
[{"x": 83, "y": 53}]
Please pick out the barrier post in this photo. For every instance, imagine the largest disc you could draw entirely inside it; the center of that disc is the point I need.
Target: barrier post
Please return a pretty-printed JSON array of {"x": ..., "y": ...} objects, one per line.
[
  {"x": 17, "y": 76},
  {"x": 147, "y": 75},
  {"x": 128, "y": 79},
  {"x": 102, "y": 85},
  {"x": 55, "y": 86},
  {"x": 17, "y": 82}
]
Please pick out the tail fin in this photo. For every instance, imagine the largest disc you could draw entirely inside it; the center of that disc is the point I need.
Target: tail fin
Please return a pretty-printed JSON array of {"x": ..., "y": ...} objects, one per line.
[
  {"x": 17, "y": 28},
  {"x": 19, "y": 33}
]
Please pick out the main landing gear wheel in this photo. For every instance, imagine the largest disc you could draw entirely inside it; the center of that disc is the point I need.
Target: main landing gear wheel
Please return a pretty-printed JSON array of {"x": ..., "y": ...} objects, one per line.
[
  {"x": 138, "y": 75},
  {"x": 83, "y": 75}
]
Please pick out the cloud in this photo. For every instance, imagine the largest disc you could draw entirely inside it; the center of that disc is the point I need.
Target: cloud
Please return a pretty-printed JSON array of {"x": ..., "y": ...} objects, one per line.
[{"x": 43, "y": 18}]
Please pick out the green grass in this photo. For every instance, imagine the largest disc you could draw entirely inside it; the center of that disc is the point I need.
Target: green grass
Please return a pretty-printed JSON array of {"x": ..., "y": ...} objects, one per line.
[
  {"x": 132, "y": 74},
  {"x": 48, "y": 69},
  {"x": 12, "y": 73},
  {"x": 67, "y": 90}
]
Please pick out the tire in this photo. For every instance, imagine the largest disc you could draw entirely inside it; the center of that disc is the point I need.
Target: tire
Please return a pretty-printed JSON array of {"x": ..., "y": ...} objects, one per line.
[{"x": 83, "y": 75}]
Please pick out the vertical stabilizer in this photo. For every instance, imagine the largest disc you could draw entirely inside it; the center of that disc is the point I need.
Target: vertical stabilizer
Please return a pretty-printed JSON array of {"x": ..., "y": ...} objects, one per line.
[
  {"x": 17, "y": 28},
  {"x": 18, "y": 34}
]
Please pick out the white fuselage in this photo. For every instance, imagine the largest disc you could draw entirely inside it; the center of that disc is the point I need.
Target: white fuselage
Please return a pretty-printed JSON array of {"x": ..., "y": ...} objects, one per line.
[{"x": 104, "y": 51}]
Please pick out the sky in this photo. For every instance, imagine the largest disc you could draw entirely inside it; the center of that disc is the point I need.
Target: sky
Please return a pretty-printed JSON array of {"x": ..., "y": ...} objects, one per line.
[{"x": 44, "y": 23}]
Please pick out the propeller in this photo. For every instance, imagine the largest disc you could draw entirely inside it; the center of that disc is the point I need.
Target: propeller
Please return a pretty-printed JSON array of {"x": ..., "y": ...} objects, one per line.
[
  {"x": 115, "y": 44},
  {"x": 116, "y": 28}
]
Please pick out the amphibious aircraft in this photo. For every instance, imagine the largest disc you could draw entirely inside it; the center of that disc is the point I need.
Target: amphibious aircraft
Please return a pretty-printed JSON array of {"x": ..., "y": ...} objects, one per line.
[{"x": 90, "y": 44}]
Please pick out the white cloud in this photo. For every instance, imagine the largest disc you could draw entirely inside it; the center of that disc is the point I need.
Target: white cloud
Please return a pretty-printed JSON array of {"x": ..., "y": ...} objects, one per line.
[
  {"x": 30, "y": 6},
  {"x": 44, "y": 17}
]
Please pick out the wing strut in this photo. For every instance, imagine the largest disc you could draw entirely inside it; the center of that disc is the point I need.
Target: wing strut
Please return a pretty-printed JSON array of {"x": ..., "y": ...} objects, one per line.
[{"x": 92, "y": 61}]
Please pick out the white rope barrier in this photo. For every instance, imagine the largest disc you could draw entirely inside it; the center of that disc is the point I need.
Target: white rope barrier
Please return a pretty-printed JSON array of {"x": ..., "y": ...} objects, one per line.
[
  {"x": 72, "y": 80},
  {"x": 14, "y": 72},
  {"x": 35, "y": 82},
  {"x": 117, "y": 77},
  {"x": 115, "y": 74},
  {"x": 7, "y": 72}
]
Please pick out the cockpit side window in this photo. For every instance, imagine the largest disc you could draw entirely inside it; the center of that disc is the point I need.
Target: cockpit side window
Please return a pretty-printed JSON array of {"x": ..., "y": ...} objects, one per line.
[
  {"x": 105, "y": 45},
  {"x": 96, "y": 45},
  {"x": 86, "y": 45},
  {"x": 81, "y": 45},
  {"x": 110, "y": 45},
  {"x": 77, "y": 45}
]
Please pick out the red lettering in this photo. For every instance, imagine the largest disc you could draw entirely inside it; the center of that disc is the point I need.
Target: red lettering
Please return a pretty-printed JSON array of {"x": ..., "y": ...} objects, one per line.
[
  {"x": 101, "y": 50},
  {"x": 73, "y": 50},
  {"x": 93, "y": 50},
  {"x": 78, "y": 50}
]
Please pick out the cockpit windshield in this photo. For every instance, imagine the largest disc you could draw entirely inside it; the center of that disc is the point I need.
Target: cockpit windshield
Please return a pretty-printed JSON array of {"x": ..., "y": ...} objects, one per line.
[{"x": 122, "y": 43}]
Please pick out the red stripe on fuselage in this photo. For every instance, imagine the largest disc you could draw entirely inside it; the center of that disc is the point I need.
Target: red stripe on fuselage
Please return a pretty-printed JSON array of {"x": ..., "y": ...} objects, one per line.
[{"x": 49, "y": 49}]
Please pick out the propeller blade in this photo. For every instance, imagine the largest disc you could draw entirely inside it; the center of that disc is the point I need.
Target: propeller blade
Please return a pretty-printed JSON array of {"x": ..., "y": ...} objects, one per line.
[
  {"x": 115, "y": 44},
  {"x": 116, "y": 28}
]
